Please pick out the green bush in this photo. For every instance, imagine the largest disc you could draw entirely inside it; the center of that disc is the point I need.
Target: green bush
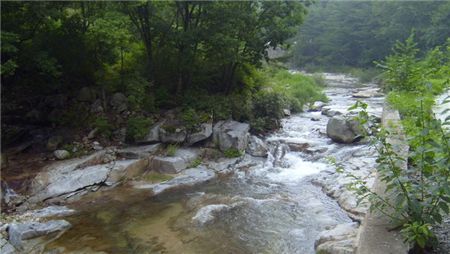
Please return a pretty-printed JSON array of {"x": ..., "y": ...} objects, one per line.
[
  {"x": 103, "y": 126},
  {"x": 192, "y": 118},
  {"x": 232, "y": 153},
  {"x": 171, "y": 149},
  {"x": 138, "y": 127},
  {"x": 195, "y": 163},
  {"x": 269, "y": 104}
]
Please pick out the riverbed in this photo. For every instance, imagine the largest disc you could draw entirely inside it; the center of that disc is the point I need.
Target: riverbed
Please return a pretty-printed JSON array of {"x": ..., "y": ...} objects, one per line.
[{"x": 278, "y": 205}]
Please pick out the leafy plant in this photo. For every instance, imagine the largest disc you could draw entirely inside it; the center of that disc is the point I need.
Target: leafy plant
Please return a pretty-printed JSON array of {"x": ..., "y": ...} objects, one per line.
[
  {"x": 171, "y": 150},
  {"x": 232, "y": 153},
  {"x": 417, "y": 189},
  {"x": 192, "y": 118},
  {"x": 103, "y": 126},
  {"x": 137, "y": 127},
  {"x": 196, "y": 163}
]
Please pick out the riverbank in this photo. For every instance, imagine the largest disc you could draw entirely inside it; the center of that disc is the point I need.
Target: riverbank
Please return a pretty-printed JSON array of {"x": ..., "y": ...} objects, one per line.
[{"x": 247, "y": 200}]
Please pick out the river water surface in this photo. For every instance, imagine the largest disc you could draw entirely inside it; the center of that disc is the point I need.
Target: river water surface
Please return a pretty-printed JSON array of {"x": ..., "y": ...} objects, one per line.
[{"x": 273, "y": 208}]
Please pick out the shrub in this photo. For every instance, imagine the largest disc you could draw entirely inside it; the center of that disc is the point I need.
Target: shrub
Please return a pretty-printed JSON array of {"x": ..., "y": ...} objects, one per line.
[
  {"x": 192, "y": 118},
  {"x": 171, "y": 149},
  {"x": 195, "y": 163},
  {"x": 417, "y": 198},
  {"x": 103, "y": 126},
  {"x": 269, "y": 104},
  {"x": 137, "y": 127},
  {"x": 232, "y": 153}
]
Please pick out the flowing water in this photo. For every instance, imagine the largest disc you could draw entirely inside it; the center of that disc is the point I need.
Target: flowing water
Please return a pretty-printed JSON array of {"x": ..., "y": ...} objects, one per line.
[{"x": 271, "y": 208}]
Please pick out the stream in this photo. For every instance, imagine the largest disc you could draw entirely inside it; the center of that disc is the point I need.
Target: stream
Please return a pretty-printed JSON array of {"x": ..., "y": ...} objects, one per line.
[{"x": 275, "y": 207}]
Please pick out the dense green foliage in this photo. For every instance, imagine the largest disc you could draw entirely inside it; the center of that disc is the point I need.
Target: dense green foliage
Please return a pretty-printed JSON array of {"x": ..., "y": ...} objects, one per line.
[
  {"x": 349, "y": 33},
  {"x": 60, "y": 58},
  {"x": 417, "y": 198}
]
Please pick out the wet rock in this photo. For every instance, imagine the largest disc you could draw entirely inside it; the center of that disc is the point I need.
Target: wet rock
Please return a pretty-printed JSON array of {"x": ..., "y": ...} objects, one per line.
[
  {"x": 204, "y": 132},
  {"x": 31, "y": 237},
  {"x": 343, "y": 130},
  {"x": 153, "y": 134},
  {"x": 86, "y": 94},
  {"x": 256, "y": 147},
  {"x": 119, "y": 102},
  {"x": 66, "y": 183},
  {"x": 172, "y": 134},
  {"x": 224, "y": 165},
  {"x": 6, "y": 247},
  {"x": 298, "y": 147},
  {"x": 286, "y": 112},
  {"x": 367, "y": 93},
  {"x": 187, "y": 178},
  {"x": 231, "y": 135},
  {"x": 51, "y": 211},
  {"x": 138, "y": 152},
  {"x": 9, "y": 198},
  {"x": 61, "y": 154},
  {"x": 174, "y": 164},
  {"x": 96, "y": 146},
  {"x": 339, "y": 240},
  {"x": 330, "y": 112},
  {"x": 208, "y": 213},
  {"x": 317, "y": 106},
  {"x": 315, "y": 119},
  {"x": 127, "y": 169},
  {"x": 54, "y": 142}
]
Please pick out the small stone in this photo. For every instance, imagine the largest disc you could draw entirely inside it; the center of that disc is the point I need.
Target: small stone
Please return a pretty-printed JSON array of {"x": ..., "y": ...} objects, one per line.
[
  {"x": 61, "y": 154},
  {"x": 54, "y": 142},
  {"x": 315, "y": 119},
  {"x": 92, "y": 133}
]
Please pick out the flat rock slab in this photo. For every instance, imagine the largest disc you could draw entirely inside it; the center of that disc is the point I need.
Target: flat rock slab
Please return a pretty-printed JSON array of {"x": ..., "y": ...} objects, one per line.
[
  {"x": 187, "y": 178},
  {"x": 50, "y": 211},
  {"x": 174, "y": 164},
  {"x": 72, "y": 181},
  {"x": 139, "y": 152},
  {"x": 31, "y": 237}
]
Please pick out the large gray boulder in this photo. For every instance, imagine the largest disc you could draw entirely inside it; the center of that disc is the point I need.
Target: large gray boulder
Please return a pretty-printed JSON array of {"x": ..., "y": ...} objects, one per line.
[
  {"x": 204, "y": 132},
  {"x": 172, "y": 134},
  {"x": 256, "y": 147},
  {"x": 57, "y": 183},
  {"x": 176, "y": 163},
  {"x": 343, "y": 130},
  {"x": 31, "y": 237},
  {"x": 153, "y": 133},
  {"x": 231, "y": 135}
]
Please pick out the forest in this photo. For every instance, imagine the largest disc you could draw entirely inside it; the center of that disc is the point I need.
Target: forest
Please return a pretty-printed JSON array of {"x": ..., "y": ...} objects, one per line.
[
  {"x": 152, "y": 55},
  {"x": 339, "y": 34}
]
